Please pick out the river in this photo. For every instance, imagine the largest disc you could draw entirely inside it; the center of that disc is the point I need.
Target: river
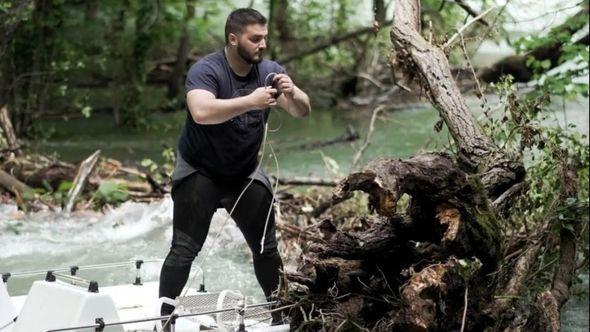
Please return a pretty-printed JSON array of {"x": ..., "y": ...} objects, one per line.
[{"x": 142, "y": 231}]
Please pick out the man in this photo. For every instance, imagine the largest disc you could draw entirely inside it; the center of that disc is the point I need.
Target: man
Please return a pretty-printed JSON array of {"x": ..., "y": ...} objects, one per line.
[{"x": 229, "y": 102}]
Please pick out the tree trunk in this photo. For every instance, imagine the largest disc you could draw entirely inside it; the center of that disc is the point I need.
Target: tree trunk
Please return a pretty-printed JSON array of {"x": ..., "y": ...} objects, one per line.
[
  {"x": 46, "y": 19},
  {"x": 476, "y": 151},
  {"x": 116, "y": 52},
  {"x": 278, "y": 26},
  {"x": 411, "y": 270},
  {"x": 174, "y": 82}
]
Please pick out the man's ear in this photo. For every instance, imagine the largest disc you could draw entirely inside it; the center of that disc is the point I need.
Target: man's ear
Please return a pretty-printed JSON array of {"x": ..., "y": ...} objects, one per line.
[{"x": 233, "y": 39}]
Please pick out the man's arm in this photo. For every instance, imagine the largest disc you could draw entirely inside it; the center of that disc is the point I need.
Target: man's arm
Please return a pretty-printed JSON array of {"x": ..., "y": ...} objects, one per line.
[
  {"x": 292, "y": 99},
  {"x": 206, "y": 109}
]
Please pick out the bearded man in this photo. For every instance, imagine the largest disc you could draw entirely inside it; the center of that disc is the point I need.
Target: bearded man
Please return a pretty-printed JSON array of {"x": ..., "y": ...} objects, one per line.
[{"x": 228, "y": 95}]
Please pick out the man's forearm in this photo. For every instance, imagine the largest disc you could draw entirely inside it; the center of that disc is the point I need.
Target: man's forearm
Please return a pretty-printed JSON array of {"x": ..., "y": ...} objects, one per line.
[
  {"x": 298, "y": 105},
  {"x": 214, "y": 111}
]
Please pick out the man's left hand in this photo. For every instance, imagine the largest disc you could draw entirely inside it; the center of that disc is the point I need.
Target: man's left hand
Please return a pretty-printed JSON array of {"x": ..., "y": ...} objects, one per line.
[{"x": 285, "y": 84}]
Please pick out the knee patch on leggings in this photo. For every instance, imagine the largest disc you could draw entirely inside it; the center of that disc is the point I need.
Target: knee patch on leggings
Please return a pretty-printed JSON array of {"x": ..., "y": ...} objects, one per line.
[{"x": 183, "y": 251}]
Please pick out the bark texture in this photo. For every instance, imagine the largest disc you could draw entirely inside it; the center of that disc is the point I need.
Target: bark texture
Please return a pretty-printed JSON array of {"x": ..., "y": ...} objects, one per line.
[
  {"x": 476, "y": 151},
  {"x": 402, "y": 267}
]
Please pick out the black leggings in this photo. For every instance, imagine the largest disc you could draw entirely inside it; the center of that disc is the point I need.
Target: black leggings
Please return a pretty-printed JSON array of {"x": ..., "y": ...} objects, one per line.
[{"x": 195, "y": 200}]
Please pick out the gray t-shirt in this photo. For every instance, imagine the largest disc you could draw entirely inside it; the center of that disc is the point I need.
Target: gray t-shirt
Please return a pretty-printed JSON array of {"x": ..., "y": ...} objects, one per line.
[{"x": 227, "y": 150}]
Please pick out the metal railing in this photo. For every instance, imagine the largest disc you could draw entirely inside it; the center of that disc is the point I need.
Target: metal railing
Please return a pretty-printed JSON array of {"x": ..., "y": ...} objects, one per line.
[{"x": 100, "y": 325}]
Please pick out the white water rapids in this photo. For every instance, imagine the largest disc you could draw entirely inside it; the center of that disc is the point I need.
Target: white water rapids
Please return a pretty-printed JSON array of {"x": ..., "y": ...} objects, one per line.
[{"x": 49, "y": 240}]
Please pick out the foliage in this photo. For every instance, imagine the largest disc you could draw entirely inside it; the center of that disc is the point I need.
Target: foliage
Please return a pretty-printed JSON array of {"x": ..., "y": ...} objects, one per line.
[
  {"x": 63, "y": 54},
  {"x": 570, "y": 78},
  {"x": 163, "y": 171},
  {"x": 527, "y": 126},
  {"x": 111, "y": 193}
]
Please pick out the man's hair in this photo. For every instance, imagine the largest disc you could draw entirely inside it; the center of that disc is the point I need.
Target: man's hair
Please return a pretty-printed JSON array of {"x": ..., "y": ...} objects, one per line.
[{"x": 240, "y": 18}]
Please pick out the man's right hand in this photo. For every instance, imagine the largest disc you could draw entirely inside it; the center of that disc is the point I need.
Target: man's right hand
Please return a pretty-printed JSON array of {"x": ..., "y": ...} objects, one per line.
[{"x": 263, "y": 97}]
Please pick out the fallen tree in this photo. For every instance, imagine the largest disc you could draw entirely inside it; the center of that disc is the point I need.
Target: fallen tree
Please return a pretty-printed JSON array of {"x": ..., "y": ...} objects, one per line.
[{"x": 431, "y": 253}]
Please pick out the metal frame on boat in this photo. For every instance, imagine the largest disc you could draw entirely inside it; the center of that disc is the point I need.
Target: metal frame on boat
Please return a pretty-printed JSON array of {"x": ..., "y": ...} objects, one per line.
[{"x": 63, "y": 302}]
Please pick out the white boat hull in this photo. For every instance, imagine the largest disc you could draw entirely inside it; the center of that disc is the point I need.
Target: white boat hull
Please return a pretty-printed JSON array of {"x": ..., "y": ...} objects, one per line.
[{"x": 53, "y": 305}]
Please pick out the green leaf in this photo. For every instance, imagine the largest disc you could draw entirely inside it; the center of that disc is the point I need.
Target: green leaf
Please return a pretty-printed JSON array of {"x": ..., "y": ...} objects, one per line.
[
  {"x": 86, "y": 111},
  {"x": 111, "y": 192},
  {"x": 147, "y": 163},
  {"x": 65, "y": 186}
]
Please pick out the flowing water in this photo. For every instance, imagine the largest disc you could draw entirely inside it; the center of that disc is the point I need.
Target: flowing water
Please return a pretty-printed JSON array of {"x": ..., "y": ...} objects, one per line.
[{"x": 143, "y": 231}]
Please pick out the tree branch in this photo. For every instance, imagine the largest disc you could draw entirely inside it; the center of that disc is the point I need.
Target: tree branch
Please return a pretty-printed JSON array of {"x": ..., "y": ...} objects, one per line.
[
  {"x": 328, "y": 43},
  {"x": 471, "y": 11}
]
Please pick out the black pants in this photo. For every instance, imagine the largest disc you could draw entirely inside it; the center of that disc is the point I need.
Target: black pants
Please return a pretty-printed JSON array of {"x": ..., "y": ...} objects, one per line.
[{"x": 196, "y": 198}]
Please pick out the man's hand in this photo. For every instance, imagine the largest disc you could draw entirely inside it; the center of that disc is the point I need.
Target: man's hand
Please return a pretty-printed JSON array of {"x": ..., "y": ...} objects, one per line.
[
  {"x": 263, "y": 97},
  {"x": 285, "y": 84},
  {"x": 292, "y": 99}
]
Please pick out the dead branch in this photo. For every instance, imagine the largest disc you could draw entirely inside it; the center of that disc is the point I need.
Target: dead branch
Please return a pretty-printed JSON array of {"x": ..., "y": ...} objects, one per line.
[
  {"x": 464, "y": 27},
  {"x": 13, "y": 185},
  {"x": 514, "y": 286},
  {"x": 330, "y": 42},
  {"x": 85, "y": 169},
  {"x": 501, "y": 203},
  {"x": 298, "y": 232},
  {"x": 328, "y": 204},
  {"x": 367, "y": 141},
  {"x": 471, "y": 11},
  {"x": 305, "y": 181},
  {"x": 8, "y": 130},
  {"x": 350, "y": 135}
]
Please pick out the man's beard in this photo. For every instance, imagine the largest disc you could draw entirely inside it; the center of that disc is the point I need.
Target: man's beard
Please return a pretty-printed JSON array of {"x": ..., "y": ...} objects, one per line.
[{"x": 246, "y": 57}]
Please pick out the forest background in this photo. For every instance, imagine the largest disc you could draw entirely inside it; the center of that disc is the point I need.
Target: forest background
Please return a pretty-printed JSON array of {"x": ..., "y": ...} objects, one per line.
[{"x": 114, "y": 70}]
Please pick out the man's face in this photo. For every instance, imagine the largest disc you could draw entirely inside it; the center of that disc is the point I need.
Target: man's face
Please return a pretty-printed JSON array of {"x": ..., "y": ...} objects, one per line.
[{"x": 251, "y": 43}]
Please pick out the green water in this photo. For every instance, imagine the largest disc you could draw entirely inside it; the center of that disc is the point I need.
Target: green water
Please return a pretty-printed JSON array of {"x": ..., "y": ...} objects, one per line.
[
  {"x": 399, "y": 133},
  {"x": 396, "y": 134}
]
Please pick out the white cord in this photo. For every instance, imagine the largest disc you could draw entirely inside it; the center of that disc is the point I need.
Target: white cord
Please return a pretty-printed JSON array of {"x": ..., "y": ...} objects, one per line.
[
  {"x": 274, "y": 194},
  {"x": 276, "y": 182}
]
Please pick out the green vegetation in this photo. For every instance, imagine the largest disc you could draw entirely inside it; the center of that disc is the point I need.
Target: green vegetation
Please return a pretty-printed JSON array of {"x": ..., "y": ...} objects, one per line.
[{"x": 125, "y": 61}]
